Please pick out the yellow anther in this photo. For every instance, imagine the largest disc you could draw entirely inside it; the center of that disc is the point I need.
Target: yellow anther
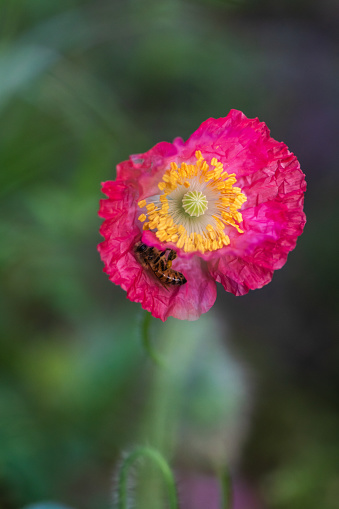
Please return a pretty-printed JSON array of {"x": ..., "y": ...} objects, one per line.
[
  {"x": 204, "y": 167},
  {"x": 181, "y": 240},
  {"x": 174, "y": 176},
  {"x": 226, "y": 216},
  {"x": 224, "y": 175},
  {"x": 161, "y": 235},
  {"x": 171, "y": 230},
  {"x": 231, "y": 181},
  {"x": 152, "y": 215},
  {"x": 170, "y": 225},
  {"x": 154, "y": 222},
  {"x": 150, "y": 207},
  {"x": 219, "y": 223}
]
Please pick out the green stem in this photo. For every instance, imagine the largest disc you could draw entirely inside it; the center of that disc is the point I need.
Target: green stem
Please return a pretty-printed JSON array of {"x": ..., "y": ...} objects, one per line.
[
  {"x": 154, "y": 455},
  {"x": 226, "y": 489},
  {"x": 146, "y": 340}
]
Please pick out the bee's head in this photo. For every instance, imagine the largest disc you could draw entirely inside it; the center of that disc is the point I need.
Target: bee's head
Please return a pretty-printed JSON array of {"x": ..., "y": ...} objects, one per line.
[{"x": 140, "y": 247}]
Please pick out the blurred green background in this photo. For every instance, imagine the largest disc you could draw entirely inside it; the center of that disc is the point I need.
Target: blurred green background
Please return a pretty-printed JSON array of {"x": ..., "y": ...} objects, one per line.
[{"x": 84, "y": 84}]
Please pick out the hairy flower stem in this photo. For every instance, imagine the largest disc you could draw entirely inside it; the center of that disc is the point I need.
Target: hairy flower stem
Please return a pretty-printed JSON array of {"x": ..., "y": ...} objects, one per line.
[
  {"x": 146, "y": 340},
  {"x": 155, "y": 456},
  {"x": 226, "y": 489}
]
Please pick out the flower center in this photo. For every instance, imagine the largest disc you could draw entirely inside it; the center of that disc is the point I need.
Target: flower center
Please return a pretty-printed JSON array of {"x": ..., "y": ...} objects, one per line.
[
  {"x": 194, "y": 203},
  {"x": 198, "y": 206}
]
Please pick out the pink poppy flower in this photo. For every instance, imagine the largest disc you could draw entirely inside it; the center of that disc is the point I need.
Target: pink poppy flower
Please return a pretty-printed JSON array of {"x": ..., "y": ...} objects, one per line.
[{"x": 226, "y": 205}]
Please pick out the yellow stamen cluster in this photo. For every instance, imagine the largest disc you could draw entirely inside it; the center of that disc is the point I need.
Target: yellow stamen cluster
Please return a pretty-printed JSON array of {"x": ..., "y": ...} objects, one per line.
[{"x": 216, "y": 183}]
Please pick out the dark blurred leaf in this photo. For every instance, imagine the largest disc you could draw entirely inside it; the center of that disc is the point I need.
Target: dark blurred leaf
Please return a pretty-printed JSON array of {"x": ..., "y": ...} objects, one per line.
[{"x": 46, "y": 505}]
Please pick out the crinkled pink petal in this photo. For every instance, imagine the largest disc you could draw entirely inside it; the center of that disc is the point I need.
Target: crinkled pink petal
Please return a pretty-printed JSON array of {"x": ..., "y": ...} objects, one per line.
[
  {"x": 270, "y": 177},
  {"x": 186, "y": 302},
  {"x": 237, "y": 275},
  {"x": 147, "y": 169}
]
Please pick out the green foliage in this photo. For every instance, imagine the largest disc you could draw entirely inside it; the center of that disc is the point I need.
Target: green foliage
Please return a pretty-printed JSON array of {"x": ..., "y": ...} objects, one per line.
[{"x": 46, "y": 505}]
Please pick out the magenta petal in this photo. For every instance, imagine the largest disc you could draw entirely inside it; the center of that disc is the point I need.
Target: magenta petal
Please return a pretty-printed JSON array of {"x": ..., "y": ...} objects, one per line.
[
  {"x": 186, "y": 302},
  {"x": 147, "y": 169},
  {"x": 238, "y": 276}
]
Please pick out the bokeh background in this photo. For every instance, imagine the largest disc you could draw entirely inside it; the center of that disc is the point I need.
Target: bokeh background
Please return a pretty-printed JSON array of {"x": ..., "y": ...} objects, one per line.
[{"x": 253, "y": 384}]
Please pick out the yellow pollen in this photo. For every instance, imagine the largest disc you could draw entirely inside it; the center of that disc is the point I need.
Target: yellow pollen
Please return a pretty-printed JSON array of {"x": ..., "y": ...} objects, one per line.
[
  {"x": 150, "y": 207},
  {"x": 168, "y": 215}
]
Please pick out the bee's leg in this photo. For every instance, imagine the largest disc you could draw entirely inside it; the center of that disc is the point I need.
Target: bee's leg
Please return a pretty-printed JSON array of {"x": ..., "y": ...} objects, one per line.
[{"x": 172, "y": 256}]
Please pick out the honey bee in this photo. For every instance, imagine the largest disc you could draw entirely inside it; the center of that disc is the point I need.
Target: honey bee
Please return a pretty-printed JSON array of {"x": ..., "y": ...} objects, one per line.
[{"x": 156, "y": 261}]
